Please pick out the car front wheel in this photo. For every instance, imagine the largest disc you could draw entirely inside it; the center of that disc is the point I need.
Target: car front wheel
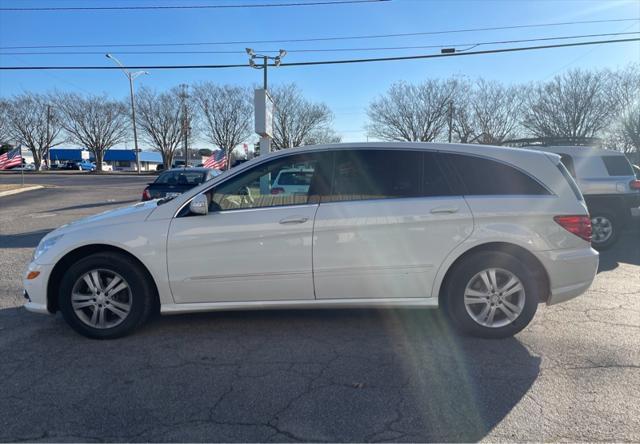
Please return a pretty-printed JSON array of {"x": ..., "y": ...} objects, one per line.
[
  {"x": 491, "y": 295},
  {"x": 105, "y": 296}
]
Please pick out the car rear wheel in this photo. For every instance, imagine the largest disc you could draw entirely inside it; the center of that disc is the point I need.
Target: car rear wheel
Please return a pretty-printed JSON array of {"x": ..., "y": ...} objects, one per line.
[
  {"x": 604, "y": 230},
  {"x": 491, "y": 295},
  {"x": 105, "y": 296}
]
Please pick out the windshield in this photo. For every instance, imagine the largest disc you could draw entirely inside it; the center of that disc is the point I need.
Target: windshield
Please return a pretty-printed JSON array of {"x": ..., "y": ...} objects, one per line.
[{"x": 294, "y": 178}]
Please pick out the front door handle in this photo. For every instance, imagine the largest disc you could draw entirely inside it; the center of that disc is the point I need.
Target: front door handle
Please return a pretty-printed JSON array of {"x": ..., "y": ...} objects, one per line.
[
  {"x": 294, "y": 220},
  {"x": 444, "y": 210}
]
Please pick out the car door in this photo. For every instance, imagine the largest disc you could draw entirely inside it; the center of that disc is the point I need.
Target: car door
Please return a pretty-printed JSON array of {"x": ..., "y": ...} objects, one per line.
[
  {"x": 388, "y": 223},
  {"x": 253, "y": 245}
]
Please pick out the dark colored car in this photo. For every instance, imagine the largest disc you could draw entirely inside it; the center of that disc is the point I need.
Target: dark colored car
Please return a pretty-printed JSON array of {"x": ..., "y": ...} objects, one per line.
[
  {"x": 69, "y": 166},
  {"x": 176, "y": 181}
]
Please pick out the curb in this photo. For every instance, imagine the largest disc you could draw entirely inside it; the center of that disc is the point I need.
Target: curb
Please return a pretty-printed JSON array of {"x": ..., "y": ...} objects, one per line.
[{"x": 20, "y": 190}]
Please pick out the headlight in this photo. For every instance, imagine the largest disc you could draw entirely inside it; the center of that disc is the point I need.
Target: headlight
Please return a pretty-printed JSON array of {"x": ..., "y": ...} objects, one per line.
[{"x": 44, "y": 245}]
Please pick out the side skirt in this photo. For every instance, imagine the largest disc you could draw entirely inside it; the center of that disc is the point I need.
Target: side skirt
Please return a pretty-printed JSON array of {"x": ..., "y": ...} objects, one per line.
[{"x": 167, "y": 309}]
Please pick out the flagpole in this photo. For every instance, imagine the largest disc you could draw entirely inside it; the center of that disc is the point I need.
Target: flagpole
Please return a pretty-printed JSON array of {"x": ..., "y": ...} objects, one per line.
[{"x": 21, "y": 164}]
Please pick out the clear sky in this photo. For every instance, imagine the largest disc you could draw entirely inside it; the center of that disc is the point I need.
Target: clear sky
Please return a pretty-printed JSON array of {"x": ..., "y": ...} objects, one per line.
[{"x": 347, "y": 89}]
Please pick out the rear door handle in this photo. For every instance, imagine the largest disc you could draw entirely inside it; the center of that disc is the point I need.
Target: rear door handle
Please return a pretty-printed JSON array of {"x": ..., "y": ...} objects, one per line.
[
  {"x": 294, "y": 220},
  {"x": 444, "y": 210}
]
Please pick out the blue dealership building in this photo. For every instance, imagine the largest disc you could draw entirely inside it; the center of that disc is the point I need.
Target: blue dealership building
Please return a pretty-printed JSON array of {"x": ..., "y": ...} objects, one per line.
[{"x": 119, "y": 159}]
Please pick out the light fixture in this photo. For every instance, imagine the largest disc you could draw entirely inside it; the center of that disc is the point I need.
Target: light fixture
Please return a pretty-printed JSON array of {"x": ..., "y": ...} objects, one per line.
[
  {"x": 250, "y": 52},
  {"x": 282, "y": 53}
]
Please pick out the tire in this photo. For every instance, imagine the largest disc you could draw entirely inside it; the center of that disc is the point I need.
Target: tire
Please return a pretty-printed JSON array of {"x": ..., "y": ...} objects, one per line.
[
  {"x": 600, "y": 223},
  {"x": 124, "y": 308},
  {"x": 466, "y": 279}
]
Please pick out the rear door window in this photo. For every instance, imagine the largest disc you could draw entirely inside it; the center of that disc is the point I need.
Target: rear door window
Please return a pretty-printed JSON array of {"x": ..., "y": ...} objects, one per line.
[
  {"x": 376, "y": 174},
  {"x": 481, "y": 177},
  {"x": 617, "y": 166}
]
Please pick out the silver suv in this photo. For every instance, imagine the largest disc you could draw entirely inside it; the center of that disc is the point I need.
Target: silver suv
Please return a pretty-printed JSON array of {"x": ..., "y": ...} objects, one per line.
[{"x": 608, "y": 184}]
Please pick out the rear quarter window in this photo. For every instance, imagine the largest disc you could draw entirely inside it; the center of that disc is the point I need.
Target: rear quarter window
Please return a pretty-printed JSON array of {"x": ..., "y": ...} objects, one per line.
[
  {"x": 617, "y": 166},
  {"x": 481, "y": 176}
]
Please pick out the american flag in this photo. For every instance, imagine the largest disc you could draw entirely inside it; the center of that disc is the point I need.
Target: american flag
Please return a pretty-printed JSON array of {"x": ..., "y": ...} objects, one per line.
[
  {"x": 217, "y": 160},
  {"x": 11, "y": 158}
]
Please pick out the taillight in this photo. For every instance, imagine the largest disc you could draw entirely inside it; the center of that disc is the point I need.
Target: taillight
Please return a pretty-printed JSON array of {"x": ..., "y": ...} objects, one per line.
[
  {"x": 146, "y": 195},
  {"x": 277, "y": 190},
  {"x": 578, "y": 225},
  {"x": 634, "y": 184}
]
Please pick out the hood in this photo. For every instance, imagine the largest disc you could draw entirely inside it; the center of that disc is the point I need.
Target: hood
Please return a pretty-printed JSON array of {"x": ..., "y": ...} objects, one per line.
[{"x": 133, "y": 213}]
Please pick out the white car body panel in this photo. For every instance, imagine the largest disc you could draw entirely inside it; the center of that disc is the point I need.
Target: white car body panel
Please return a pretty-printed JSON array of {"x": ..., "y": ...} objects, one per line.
[
  {"x": 246, "y": 259},
  {"x": 242, "y": 255},
  {"x": 388, "y": 248}
]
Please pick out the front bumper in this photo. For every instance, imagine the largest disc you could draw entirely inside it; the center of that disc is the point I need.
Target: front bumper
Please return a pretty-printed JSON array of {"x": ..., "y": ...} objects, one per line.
[
  {"x": 36, "y": 289},
  {"x": 570, "y": 272}
]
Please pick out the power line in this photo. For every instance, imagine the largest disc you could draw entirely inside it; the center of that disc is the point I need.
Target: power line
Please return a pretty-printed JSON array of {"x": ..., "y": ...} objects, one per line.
[
  {"x": 172, "y": 7},
  {"x": 306, "y": 50},
  {"x": 328, "y": 62},
  {"x": 325, "y": 39}
]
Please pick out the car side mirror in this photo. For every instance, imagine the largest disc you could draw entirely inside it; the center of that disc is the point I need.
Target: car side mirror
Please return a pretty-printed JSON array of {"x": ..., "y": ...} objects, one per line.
[{"x": 199, "y": 205}]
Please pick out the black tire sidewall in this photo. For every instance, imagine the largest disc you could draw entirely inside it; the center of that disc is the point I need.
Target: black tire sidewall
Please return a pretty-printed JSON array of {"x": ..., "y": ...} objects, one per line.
[
  {"x": 469, "y": 267},
  {"x": 130, "y": 271},
  {"x": 614, "y": 235}
]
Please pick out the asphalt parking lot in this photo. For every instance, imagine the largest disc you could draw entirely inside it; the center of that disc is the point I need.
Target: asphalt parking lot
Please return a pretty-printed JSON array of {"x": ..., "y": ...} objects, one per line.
[{"x": 351, "y": 375}]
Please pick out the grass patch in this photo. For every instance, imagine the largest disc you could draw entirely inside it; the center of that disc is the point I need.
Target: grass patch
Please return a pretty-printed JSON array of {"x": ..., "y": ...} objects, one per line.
[{"x": 13, "y": 186}]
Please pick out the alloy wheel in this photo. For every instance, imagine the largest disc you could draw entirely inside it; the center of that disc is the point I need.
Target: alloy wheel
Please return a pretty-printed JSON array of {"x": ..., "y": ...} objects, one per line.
[
  {"x": 494, "y": 297},
  {"x": 101, "y": 298},
  {"x": 602, "y": 229}
]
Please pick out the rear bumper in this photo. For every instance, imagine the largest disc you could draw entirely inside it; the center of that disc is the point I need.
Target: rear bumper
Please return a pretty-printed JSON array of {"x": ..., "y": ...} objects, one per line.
[
  {"x": 633, "y": 202},
  {"x": 570, "y": 272}
]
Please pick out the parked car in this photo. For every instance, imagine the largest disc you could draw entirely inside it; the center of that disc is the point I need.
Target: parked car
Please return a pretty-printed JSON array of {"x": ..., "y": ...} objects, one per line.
[
  {"x": 25, "y": 167},
  {"x": 105, "y": 167},
  {"x": 380, "y": 225},
  {"x": 84, "y": 165},
  {"x": 609, "y": 185},
  {"x": 292, "y": 181},
  {"x": 69, "y": 166},
  {"x": 176, "y": 181}
]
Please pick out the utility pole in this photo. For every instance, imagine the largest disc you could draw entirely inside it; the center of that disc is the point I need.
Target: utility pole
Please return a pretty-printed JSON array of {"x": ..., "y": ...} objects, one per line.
[
  {"x": 184, "y": 95},
  {"x": 131, "y": 76},
  {"x": 264, "y": 111},
  {"x": 450, "y": 118},
  {"x": 48, "y": 135}
]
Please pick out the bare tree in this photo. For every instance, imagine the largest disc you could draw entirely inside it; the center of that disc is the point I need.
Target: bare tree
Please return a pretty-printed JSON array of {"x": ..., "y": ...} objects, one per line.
[
  {"x": 4, "y": 123},
  {"x": 487, "y": 112},
  {"x": 160, "y": 119},
  {"x": 297, "y": 121},
  {"x": 414, "y": 113},
  {"x": 226, "y": 113},
  {"x": 94, "y": 122},
  {"x": 624, "y": 131},
  {"x": 26, "y": 119},
  {"x": 573, "y": 106}
]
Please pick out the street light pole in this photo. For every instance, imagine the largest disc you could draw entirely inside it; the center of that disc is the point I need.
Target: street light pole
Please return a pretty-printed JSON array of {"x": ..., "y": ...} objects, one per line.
[
  {"x": 48, "y": 135},
  {"x": 135, "y": 130},
  {"x": 131, "y": 76}
]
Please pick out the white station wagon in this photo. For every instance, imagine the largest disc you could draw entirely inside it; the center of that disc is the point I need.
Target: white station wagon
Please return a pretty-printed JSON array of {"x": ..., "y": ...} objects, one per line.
[{"x": 487, "y": 233}]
